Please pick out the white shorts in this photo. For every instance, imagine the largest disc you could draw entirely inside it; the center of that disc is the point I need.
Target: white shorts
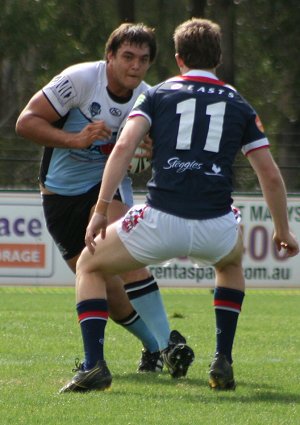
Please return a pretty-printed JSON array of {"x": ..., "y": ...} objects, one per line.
[{"x": 152, "y": 236}]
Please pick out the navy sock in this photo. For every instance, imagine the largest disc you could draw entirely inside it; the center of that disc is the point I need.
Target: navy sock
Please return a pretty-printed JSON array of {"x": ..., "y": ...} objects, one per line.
[
  {"x": 92, "y": 316},
  {"x": 146, "y": 300},
  {"x": 135, "y": 325},
  {"x": 228, "y": 304}
]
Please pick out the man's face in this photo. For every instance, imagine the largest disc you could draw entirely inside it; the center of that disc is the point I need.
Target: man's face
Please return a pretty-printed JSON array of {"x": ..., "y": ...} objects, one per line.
[{"x": 127, "y": 68}]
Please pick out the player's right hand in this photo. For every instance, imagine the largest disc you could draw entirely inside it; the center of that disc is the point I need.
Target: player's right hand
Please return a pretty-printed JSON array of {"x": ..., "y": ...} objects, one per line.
[
  {"x": 287, "y": 243},
  {"x": 92, "y": 132},
  {"x": 97, "y": 225}
]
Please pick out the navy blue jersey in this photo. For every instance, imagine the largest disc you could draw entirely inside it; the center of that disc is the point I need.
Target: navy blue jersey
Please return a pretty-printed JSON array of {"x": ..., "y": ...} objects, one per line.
[{"x": 198, "y": 124}]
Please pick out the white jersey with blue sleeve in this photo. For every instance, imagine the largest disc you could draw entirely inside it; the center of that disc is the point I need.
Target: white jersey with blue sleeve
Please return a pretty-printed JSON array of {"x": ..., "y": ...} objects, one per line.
[{"x": 79, "y": 95}]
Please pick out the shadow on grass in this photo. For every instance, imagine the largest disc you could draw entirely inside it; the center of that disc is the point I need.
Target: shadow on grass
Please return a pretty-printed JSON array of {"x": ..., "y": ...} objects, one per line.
[{"x": 251, "y": 392}]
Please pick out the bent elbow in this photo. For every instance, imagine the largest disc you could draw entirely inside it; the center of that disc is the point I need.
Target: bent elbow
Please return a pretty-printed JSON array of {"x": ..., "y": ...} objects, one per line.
[
  {"x": 121, "y": 149},
  {"x": 20, "y": 127}
]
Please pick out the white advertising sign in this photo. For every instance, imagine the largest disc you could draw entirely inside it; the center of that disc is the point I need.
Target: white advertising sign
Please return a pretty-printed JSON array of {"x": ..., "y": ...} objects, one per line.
[{"x": 28, "y": 255}]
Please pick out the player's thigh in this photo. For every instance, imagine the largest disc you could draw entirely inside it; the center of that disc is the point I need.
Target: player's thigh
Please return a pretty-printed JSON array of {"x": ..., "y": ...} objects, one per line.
[
  {"x": 110, "y": 256},
  {"x": 229, "y": 270}
]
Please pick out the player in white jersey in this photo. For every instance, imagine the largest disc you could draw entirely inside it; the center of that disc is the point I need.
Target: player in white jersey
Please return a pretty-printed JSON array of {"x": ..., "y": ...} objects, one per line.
[
  {"x": 198, "y": 125},
  {"x": 76, "y": 117},
  {"x": 75, "y": 96}
]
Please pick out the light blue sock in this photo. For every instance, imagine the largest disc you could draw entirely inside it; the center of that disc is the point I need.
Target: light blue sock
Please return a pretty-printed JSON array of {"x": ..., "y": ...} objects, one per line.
[
  {"x": 147, "y": 301},
  {"x": 135, "y": 325}
]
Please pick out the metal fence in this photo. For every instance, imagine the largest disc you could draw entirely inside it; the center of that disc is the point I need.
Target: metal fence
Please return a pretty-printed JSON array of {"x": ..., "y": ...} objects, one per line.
[{"x": 19, "y": 168}]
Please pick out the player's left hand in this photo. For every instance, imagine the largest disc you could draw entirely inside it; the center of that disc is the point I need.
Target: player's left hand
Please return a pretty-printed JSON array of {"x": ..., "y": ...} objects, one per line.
[
  {"x": 97, "y": 225},
  {"x": 146, "y": 145}
]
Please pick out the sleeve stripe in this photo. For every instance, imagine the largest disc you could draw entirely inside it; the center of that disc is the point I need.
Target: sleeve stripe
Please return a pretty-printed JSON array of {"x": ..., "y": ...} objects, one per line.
[
  {"x": 134, "y": 113},
  {"x": 257, "y": 144}
]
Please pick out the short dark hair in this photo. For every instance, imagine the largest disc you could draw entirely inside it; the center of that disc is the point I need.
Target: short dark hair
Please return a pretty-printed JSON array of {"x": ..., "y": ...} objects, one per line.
[
  {"x": 198, "y": 43},
  {"x": 134, "y": 34}
]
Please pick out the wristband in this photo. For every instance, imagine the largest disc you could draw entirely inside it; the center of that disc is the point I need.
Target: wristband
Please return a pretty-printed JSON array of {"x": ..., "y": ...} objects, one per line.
[
  {"x": 104, "y": 200},
  {"x": 101, "y": 206}
]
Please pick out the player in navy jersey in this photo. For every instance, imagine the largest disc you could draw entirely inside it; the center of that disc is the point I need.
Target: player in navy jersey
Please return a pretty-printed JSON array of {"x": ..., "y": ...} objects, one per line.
[
  {"x": 198, "y": 124},
  {"x": 76, "y": 117}
]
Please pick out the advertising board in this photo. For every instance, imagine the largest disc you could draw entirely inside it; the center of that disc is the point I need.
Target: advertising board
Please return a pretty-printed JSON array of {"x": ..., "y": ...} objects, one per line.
[{"x": 28, "y": 255}]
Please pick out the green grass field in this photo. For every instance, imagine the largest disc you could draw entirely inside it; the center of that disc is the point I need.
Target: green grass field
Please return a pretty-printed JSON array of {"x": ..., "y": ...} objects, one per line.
[{"x": 40, "y": 339}]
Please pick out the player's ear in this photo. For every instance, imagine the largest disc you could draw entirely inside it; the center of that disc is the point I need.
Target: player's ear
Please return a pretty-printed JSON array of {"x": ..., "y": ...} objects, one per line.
[
  {"x": 220, "y": 62},
  {"x": 109, "y": 56},
  {"x": 179, "y": 61}
]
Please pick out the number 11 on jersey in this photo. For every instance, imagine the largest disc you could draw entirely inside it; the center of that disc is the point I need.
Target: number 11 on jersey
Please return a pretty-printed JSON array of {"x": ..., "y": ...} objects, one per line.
[{"x": 186, "y": 109}]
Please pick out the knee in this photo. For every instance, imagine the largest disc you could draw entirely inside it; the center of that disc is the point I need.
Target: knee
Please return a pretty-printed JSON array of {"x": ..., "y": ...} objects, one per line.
[{"x": 84, "y": 264}]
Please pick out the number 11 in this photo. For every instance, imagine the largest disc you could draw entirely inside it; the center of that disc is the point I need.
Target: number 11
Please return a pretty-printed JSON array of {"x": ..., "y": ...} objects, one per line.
[{"x": 186, "y": 109}]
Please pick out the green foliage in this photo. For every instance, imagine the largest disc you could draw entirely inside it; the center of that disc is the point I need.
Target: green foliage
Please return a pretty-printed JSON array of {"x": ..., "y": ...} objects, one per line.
[
  {"x": 38, "y": 38},
  {"x": 268, "y": 40},
  {"x": 40, "y": 338},
  {"x": 54, "y": 34}
]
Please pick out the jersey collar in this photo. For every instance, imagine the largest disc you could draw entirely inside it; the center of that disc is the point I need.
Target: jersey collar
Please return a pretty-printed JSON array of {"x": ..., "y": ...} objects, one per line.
[{"x": 201, "y": 76}]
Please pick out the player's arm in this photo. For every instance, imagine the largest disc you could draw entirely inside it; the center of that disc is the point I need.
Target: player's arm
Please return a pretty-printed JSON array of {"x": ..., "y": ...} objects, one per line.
[
  {"x": 274, "y": 192},
  {"x": 115, "y": 170},
  {"x": 35, "y": 123}
]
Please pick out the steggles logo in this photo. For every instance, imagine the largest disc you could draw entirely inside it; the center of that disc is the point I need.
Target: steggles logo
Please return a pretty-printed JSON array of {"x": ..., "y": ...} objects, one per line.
[{"x": 182, "y": 166}]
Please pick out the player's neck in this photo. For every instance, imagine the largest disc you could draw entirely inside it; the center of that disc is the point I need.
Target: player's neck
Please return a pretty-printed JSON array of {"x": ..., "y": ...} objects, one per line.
[
  {"x": 114, "y": 86},
  {"x": 117, "y": 98},
  {"x": 118, "y": 90},
  {"x": 185, "y": 69}
]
